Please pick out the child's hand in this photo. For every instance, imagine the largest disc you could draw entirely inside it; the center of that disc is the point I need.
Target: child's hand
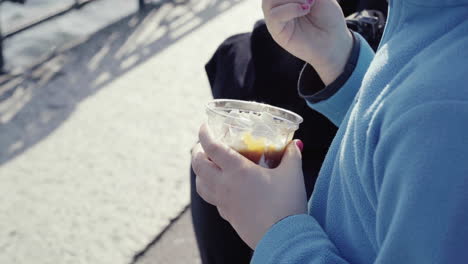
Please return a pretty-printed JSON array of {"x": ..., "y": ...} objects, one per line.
[
  {"x": 250, "y": 197},
  {"x": 312, "y": 30}
]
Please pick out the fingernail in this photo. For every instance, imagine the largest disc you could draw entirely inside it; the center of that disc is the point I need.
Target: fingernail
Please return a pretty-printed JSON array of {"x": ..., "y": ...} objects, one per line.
[
  {"x": 300, "y": 144},
  {"x": 305, "y": 6}
]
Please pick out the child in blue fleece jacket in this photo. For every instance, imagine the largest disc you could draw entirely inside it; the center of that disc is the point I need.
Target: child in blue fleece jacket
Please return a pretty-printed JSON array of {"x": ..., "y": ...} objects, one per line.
[{"x": 393, "y": 187}]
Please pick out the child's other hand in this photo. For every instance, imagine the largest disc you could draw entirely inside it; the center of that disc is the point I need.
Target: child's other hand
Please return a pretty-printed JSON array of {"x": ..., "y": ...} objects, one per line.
[{"x": 312, "y": 30}]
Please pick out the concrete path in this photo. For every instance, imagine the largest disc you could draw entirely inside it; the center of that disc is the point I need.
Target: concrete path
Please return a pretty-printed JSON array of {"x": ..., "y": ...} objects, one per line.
[
  {"x": 94, "y": 143},
  {"x": 176, "y": 246}
]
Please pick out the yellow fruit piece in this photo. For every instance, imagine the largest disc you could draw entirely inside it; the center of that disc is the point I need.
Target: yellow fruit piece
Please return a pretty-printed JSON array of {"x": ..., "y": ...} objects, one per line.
[{"x": 253, "y": 144}]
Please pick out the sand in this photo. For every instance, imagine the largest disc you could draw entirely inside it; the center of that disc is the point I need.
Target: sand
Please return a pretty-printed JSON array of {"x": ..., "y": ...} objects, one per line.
[{"x": 94, "y": 144}]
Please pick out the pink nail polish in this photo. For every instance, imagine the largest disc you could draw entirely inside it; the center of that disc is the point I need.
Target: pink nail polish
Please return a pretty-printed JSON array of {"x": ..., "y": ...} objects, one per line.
[
  {"x": 305, "y": 6},
  {"x": 300, "y": 144}
]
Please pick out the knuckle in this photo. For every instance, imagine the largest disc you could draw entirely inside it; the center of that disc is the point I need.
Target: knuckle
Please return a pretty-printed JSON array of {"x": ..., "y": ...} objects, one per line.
[
  {"x": 203, "y": 191},
  {"x": 197, "y": 163},
  {"x": 222, "y": 213},
  {"x": 195, "y": 149},
  {"x": 206, "y": 191},
  {"x": 199, "y": 186},
  {"x": 226, "y": 213},
  {"x": 196, "y": 168},
  {"x": 213, "y": 149},
  {"x": 198, "y": 158}
]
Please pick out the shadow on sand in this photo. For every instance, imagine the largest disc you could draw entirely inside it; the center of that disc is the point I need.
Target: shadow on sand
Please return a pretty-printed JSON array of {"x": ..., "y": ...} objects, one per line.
[{"x": 35, "y": 103}]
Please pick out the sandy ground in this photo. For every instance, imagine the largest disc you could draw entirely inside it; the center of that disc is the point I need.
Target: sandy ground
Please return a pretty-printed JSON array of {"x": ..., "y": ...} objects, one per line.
[{"x": 94, "y": 143}]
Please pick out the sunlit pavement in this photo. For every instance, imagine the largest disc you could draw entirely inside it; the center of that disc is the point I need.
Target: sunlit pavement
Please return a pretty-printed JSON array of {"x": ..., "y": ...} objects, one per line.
[{"x": 94, "y": 143}]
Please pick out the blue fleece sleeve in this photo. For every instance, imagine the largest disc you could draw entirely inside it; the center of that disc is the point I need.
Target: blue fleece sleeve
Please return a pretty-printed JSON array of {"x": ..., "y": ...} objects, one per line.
[
  {"x": 421, "y": 175},
  {"x": 336, "y": 106},
  {"x": 296, "y": 239},
  {"x": 421, "y": 163}
]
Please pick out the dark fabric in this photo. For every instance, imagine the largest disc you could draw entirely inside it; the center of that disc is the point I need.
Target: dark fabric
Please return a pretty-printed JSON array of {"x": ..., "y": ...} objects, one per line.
[
  {"x": 252, "y": 66},
  {"x": 230, "y": 70},
  {"x": 307, "y": 84},
  {"x": 352, "y": 6}
]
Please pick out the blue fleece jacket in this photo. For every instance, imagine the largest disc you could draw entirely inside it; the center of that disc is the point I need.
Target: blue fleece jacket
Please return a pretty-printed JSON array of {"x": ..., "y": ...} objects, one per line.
[{"x": 394, "y": 185}]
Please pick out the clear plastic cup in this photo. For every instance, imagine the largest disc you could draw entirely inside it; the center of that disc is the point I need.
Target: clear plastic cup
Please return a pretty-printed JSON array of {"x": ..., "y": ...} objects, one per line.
[{"x": 260, "y": 132}]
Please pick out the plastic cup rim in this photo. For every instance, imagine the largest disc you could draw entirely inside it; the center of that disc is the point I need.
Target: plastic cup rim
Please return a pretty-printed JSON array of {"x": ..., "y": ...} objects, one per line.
[{"x": 295, "y": 124}]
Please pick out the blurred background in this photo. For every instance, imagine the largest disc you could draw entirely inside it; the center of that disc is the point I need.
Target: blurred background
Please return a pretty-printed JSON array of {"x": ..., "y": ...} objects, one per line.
[{"x": 100, "y": 103}]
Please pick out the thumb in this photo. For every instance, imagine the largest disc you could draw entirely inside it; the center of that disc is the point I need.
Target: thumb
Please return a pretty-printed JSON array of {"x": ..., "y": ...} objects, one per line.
[{"x": 292, "y": 157}]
